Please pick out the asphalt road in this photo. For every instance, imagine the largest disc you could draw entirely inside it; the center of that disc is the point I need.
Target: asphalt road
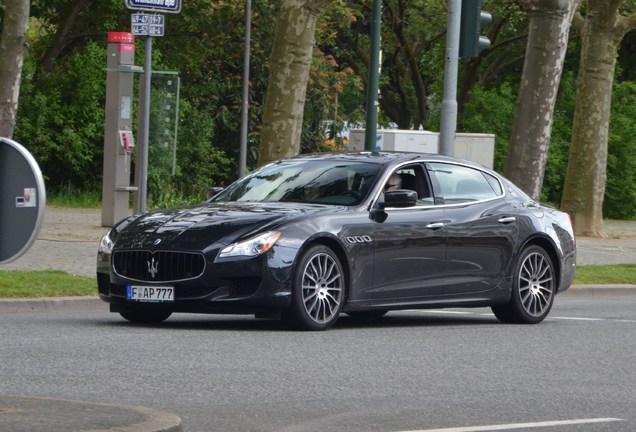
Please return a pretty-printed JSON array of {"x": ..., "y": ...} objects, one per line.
[{"x": 410, "y": 371}]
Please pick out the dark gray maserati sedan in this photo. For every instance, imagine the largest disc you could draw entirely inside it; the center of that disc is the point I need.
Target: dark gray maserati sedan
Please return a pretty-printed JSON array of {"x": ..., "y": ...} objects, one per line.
[{"x": 310, "y": 237}]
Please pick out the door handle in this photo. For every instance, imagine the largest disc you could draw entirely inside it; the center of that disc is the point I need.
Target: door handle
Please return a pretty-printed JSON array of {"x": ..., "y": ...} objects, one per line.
[
  {"x": 507, "y": 220},
  {"x": 435, "y": 225}
]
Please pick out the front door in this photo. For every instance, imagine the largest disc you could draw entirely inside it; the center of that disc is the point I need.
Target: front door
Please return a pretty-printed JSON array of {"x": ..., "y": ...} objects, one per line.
[{"x": 409, "y": 253}]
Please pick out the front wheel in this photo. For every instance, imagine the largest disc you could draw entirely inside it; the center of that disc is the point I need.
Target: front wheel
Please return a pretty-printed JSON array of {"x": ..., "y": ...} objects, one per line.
[
  {"x": 533, "y": 290},
  {"x": 319, "y": 290}
]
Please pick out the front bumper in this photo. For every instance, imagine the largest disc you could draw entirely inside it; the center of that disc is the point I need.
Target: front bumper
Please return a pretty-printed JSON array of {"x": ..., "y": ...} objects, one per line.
[{"x": 245, "y": 285}]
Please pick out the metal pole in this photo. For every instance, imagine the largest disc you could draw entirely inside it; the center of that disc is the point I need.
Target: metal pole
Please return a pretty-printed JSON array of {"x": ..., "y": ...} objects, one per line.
[
  {"x": 448, "y": 126},
  {"x": 374, "y": 73},
  {"x": 145, "y": 129},
  {"x": 246, "y": 79}
]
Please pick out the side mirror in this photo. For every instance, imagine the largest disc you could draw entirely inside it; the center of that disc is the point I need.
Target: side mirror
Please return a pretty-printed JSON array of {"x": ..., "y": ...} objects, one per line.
[
  {"x": 214, "y": 192},
  {"x": 399, "y": 198}
]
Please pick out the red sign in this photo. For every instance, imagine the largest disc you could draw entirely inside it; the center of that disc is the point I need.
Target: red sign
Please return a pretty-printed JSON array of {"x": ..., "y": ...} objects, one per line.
[{"x": 120, "y": 37}]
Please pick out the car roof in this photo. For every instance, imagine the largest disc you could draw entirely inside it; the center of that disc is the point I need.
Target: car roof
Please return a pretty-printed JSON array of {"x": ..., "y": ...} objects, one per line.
[{"x": 383, "y": 157}]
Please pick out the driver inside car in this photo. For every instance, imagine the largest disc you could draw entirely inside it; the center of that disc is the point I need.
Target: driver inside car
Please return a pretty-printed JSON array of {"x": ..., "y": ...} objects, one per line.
[{"x": 393, "y": 183}]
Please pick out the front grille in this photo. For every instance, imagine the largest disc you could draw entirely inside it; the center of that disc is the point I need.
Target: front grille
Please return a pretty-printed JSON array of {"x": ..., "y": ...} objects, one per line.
[{"x": 158, "y": 266}]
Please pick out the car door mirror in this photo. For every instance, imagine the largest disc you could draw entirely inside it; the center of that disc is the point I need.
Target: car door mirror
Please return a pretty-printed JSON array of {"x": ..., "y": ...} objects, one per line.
[{"x": 399, "y": 198}]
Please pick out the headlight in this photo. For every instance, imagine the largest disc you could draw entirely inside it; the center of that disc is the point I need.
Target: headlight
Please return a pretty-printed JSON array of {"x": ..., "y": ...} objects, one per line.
[
  {"x": 106, "y": 244},
  {"x": 252, "y": 247}
]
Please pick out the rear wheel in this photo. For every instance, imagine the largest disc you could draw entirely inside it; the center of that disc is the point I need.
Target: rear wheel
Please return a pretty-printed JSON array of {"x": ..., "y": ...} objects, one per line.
[
  {"x": 319, "y": 290},
  {"x": 533, "y": 289},
  {"x": 145, "y": 316}
]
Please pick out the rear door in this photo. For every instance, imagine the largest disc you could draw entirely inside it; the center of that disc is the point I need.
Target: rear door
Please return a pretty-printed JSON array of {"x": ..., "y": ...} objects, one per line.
[{"x": 481, "y": 228}]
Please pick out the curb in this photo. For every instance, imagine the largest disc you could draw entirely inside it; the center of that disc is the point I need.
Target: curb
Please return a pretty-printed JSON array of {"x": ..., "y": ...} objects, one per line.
[
  {"x": 600, "y": 290},
  {"x": 30, "y": 414},
  {"x": 84, "y": 303},
  {"x": 51, "y": 304}
]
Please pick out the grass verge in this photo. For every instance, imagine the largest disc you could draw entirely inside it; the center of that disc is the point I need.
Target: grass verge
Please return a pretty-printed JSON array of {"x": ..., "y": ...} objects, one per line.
[
  {"x": 48, "y": 283},
  {"x": 69, "y": 196},
  {"x": 606, "y": 274},
  {"x": 21, "y": 284}
]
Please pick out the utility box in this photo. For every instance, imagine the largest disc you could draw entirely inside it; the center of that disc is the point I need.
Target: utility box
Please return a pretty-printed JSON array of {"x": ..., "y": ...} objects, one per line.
[{"x": 476, "y": 147}]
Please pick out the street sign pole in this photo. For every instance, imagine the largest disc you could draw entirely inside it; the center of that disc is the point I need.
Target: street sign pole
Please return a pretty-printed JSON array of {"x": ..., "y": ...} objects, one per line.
[
  {"x": 145, "y": 130},
  {"x": 245, "y": 96},
  {"x": 371, "y": 127},
  {"x": 149, "y": 24},
  {"x": 448, "y": 127}
]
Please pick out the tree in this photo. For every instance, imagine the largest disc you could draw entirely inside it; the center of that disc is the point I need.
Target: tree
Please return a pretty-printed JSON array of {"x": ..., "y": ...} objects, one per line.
[
  {"x": 12, "y": 45},
  {"x": 550, "y": 22},
  {"x": 602, "y": 31},
  {"x": 291, "y": 59}
]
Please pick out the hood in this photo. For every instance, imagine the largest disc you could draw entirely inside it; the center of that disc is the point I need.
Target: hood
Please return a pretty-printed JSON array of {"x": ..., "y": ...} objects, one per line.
[{"x": 199, "y": 227}]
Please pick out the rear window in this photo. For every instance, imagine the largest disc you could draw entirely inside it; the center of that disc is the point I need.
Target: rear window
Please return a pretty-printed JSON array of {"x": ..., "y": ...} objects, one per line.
[{"x": 464, "y": 184}]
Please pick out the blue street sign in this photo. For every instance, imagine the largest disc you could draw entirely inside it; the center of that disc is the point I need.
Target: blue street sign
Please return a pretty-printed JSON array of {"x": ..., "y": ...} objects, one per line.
[
  {"x": 167, "y": 6},
  {"x": 156, "y": 30},
  {"x": 144, "y": 24},
  {"x": 139, "y": 19},
  {"x": 157, "y": 20}
]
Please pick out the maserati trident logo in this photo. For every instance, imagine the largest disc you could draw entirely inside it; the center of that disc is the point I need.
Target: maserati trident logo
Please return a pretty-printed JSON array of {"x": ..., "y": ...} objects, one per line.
[{"x": 153, "y": 267}]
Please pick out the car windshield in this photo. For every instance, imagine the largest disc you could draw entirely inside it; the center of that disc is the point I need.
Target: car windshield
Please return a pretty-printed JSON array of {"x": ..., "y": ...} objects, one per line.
[{"x": 308, "y": 181}]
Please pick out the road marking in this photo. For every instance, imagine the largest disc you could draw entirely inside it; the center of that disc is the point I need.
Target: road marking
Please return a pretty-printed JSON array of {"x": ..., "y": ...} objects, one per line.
[
  {"x": 592, "y": 319},
  {"x": 511, "y": 426},
  {"x": 452, "y": 312}
]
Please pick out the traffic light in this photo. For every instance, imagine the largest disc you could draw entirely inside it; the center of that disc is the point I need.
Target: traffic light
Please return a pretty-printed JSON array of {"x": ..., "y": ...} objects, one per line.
[{"x": 473, "y": 18}]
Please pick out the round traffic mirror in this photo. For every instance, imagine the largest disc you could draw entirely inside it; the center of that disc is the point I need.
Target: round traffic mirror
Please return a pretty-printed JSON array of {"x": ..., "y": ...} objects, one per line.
[{"x": 22, "y": 200}]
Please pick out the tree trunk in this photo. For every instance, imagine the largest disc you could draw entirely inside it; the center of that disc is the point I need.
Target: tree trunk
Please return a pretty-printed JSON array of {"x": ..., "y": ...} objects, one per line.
[
  {"x": 584, "y": 189},
  {"x": 62, "y": 34},
  {"x": 12, "y": 45},
  {"x": 290, "y": 63},
  {"x": 549, "y": 22}
]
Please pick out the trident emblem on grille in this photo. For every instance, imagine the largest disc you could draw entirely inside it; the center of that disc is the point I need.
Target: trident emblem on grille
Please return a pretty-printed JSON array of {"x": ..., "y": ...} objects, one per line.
[{"x": 152, "y": 267}]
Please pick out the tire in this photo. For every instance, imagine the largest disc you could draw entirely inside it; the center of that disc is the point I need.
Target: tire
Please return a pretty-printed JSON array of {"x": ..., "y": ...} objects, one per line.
[
  {"x": 368, "y": 314},
  {"x": 533, "y": 290},
  {"x": 145, "y": 316},
  {"x": 318, "y": 290}
]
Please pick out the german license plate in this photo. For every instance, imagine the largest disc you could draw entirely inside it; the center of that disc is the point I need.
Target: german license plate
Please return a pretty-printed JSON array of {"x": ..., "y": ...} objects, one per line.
[{"x": 156, "y": 294}]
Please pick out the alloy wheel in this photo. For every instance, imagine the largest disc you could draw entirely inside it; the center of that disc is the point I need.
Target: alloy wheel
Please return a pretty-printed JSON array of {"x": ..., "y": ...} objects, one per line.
[
  {"x": 322, "y": 288},
  {"x": 536, "y": 284}
]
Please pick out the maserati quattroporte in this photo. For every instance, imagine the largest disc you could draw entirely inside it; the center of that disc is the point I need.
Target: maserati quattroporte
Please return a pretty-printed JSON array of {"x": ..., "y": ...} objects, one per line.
[{"x": 312, "y": 237}]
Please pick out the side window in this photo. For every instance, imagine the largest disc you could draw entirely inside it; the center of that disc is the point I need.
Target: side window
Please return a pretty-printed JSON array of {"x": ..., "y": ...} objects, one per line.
[
  {"x": 414, "y": 177},
  {"x": 494, "y": 183},
  {"x": 461, "y": 184}
]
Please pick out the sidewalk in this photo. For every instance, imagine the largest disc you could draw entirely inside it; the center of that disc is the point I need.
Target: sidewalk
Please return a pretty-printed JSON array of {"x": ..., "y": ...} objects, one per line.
[
  {"x": 22, "y": 414},
  {"x": 68, "y": 241}
]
